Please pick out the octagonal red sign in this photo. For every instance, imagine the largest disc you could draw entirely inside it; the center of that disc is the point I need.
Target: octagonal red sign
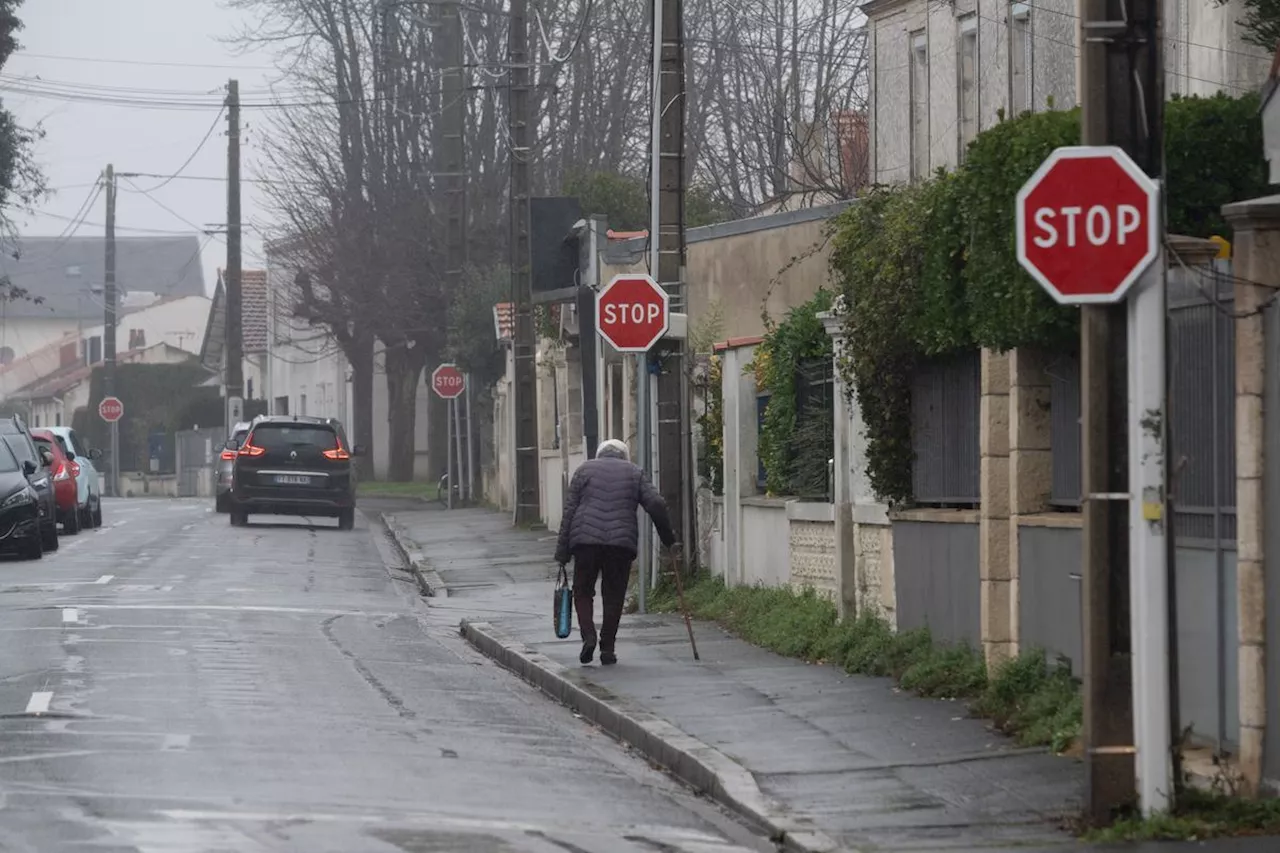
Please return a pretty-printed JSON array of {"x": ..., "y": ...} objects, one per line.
[
  {"x": 111, "y": 409},
  {"x": 632, "y": 312},
  {"x": 448, "y": 381},
  {"x": 1088, "y": 224}
]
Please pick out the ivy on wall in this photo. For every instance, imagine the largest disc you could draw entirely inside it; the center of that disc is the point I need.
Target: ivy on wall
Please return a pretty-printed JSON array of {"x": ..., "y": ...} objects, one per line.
[
  {"x": 930, "y": 269},
  {"x": 711, "y": 428},
  {"x": 798, "y": 338}
]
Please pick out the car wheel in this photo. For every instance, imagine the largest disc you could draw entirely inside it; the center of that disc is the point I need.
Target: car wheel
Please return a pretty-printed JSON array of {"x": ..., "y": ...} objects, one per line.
[
  {"x": 220, "y": 504},
  {"x": 49, "y": 537},
  {"x": 71, "y": 522},
  {"x": 346, "y": 519},
  {"x": 34, "y": 549},
  {"x": 97, "y": 513},
  {"x": 238, "y": 518}
]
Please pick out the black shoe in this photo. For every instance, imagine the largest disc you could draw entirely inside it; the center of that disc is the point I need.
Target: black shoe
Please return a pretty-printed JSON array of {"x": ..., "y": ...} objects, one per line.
[
  {"x": 608, "y": 658},
  {"x": 588, "y": 651}
]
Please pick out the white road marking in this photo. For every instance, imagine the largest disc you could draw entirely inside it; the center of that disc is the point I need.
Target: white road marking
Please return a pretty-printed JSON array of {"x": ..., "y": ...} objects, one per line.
[
  {"x": 105, "y": 579},
  {"x": 40, "y": 701},
  {"x": 69, "y": 614},
  {"x": 168, "y": 588},
  {"x": 176, "y": 742},
  {"x": 248, "y": 608}
]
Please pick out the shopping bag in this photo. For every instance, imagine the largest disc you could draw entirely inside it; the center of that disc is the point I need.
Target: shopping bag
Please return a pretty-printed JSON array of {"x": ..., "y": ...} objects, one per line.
[{"x": 562, "y": 605}]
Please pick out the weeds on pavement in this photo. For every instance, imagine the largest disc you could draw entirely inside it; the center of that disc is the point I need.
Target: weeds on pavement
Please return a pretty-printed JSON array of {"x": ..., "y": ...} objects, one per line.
[
  {"x": 1199, "y": 814},
  {"x": 1036, "y": 702}
]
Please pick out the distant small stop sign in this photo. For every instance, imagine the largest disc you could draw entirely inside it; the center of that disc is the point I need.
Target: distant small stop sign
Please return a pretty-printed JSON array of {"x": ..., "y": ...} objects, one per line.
[
  {"x": 632, "y": 312},
  {"x": 1088, "y": 224},
  {"x": 448, "y": 381}
]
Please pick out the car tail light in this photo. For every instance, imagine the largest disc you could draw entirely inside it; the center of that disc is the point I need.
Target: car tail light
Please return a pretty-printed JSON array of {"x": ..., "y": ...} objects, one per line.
[
  {"x": 250, "y": 449},
  {"x": 338, "y": 452},
  {"x": 228, "y": 455},
  {"x": 75, "y": 468},
  {"x": 62, "y": 472}
]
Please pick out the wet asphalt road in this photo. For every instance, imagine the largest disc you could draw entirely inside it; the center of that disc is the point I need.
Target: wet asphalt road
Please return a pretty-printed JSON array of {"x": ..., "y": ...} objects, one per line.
[{"x": 171, "y": 684}]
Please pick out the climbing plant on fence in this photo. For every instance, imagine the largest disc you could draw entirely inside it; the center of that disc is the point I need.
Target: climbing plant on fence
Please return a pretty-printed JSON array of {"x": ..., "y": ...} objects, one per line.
[
  {"x": 800, "y": 337},
  {"x": 711, "y": 427},
  {"x": 930, "y": 269}
]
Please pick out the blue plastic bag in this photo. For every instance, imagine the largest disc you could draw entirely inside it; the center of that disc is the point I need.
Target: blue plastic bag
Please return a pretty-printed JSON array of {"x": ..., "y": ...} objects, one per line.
[{"x": 562, "y": 605}]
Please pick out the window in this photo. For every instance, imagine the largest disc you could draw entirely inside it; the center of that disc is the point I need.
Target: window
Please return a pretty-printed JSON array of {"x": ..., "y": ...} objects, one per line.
[
  {"x": 248, "y": 388},
  {"x": 302, "y": 404},
  {"x": 57, "y": 419},
  {"x": 281, "y": 406},
  {"x": 137, "y": 339},
  {"x": 288, "y": 436},
  {"x": 1019, "y": 58},
  {"x": 919, "y": 105},
  {"x": 967, "y": 80},
  {"x": 8, "y": 462}
]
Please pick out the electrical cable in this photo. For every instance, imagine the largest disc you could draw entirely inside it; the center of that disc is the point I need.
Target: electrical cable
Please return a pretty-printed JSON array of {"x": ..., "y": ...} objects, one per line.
[{"x": 209, "y": 135}]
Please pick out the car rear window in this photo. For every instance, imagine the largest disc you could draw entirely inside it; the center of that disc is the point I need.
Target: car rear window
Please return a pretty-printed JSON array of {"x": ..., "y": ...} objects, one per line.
[
  {"x": 286, "y": 436},
  {"x": 42, "y": 443}
]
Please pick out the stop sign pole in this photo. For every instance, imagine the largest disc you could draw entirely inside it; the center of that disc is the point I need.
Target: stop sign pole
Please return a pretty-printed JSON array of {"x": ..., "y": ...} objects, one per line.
[{"x": 1089, "y": 230}]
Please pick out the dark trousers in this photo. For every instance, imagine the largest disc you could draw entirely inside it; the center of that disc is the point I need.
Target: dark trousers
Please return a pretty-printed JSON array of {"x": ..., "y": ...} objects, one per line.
[{"x": 613, "y": 566}]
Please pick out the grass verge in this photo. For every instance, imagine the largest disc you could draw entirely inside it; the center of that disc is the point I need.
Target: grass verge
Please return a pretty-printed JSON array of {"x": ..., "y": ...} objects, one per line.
[
  {"x": 1199, "y": 815},
  {"x": 1036, "y": 702},
  {"x": 374, "y": 489}
]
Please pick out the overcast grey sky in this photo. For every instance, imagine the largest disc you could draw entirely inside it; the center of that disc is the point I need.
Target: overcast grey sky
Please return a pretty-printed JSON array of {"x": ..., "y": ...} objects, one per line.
[{"x": 134, "y": 50}]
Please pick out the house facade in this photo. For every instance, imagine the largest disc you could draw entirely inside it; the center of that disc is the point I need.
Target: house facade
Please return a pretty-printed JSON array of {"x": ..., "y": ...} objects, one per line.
[
  {"x": 63, "y": 279},
  {"x": 943, "y": 72}
]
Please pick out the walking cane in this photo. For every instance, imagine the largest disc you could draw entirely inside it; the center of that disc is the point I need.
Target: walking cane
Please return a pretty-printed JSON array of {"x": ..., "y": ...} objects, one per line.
[{"x": 688, "y": 623}]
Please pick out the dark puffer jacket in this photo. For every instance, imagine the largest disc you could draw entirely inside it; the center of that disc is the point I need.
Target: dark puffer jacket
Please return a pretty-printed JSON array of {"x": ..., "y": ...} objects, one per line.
[{"x": 600, "y": 508}]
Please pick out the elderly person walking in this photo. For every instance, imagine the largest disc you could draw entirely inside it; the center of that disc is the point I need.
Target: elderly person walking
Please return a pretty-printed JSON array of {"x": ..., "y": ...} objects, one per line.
[{"x": 600, "y": 530}]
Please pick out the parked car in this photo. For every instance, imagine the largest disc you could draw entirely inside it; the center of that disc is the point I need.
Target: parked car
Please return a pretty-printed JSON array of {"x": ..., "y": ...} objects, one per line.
[
  {"x": 294, "y": 465},
  {"x": 88, "y": 484},
  {"x": 19, "y": 507},
  {"x": 66, "y": 473},
  {"x": 14, "y": 433},
  {"x": 226, "y": 465}
]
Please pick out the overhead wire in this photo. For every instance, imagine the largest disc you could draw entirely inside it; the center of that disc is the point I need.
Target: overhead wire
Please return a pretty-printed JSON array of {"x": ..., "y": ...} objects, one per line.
[{"x": 200, "y": 147}]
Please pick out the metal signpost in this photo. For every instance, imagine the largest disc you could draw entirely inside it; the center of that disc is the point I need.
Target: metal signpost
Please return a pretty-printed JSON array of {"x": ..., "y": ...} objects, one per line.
[
  {"x": 450, "y": 383},
  {"x": 111, "y": 410},
  {"x": 632, "y": 314},
  {"x": 1089, "y": 231}
]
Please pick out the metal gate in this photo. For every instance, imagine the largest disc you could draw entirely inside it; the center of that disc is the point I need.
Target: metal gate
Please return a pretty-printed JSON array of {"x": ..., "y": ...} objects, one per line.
[{"x": 197, "y": 459}]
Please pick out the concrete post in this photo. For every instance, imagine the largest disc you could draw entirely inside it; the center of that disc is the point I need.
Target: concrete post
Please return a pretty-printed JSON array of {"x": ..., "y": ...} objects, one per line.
[
  {"x": 994, "y": 559},
  {"x": 1030, "y": 462},
  {"x": 740, "y": 451},
  {"x": 842, "y": 497},
  {"x": 1256, "y": 268}
]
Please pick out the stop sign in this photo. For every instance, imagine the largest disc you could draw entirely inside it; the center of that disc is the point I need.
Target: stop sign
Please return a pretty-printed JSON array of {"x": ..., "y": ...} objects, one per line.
[
  {"x": 632, "y": 312},
  {"x": 111, "y": 409},
  {"x": 448, "y": 381},
  {"x": 1088, "y": 224}
]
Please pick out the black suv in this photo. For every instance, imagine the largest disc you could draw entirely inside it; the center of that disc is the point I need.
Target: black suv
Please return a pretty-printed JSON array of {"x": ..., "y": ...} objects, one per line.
[
  {"x": 14, "y": 433},
  {"x": 294, "y": 465}
]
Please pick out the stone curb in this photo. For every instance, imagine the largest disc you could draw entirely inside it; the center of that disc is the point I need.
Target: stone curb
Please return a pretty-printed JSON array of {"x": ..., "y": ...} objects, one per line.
[
  {"x": 693, "y": 762},
  {"x": 429, "y": 581}
]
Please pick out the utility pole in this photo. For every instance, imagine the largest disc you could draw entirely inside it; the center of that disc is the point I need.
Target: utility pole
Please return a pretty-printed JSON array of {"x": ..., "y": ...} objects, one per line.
[
  {"x": 451, "y": 170},
  {"x": 528, "y": 508},
  {"x": 667, "y": 264},
  {"x": 1122, "y": 98},
  {"x": 234, "y": 347},
  {"x": 109, "y": 327}
]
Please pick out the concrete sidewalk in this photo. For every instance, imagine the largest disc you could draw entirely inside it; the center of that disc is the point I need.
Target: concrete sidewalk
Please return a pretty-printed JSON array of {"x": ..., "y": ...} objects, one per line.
[{"x": 819, "y": 759}]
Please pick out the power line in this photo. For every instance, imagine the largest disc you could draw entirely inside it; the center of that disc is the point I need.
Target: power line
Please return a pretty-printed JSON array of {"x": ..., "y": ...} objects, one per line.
[
  {"x": 140, "y": 62},
  {"x": 208, "y": 135}
]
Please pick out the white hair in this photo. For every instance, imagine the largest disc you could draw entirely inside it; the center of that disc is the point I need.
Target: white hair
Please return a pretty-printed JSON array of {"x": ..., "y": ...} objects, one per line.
[{"x": 614, "y": 448}]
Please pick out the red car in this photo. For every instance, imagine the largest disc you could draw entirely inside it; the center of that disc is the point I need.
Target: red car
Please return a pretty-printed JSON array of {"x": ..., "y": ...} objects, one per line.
[{"x": 64, "y": 471}]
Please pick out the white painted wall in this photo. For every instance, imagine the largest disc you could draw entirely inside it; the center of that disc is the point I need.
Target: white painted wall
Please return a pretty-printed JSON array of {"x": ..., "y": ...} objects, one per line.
[{"x": 1204, "y": 54}]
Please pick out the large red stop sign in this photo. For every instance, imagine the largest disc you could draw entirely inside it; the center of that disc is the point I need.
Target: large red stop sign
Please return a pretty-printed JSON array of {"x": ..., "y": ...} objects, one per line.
[
  {"x": 1088, "y": 224},
  {"x": 632, "y": 312}
]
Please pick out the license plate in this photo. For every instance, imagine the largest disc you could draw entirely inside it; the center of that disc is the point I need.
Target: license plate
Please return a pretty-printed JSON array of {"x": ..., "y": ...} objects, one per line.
[{"x": 292, "y": 480}]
